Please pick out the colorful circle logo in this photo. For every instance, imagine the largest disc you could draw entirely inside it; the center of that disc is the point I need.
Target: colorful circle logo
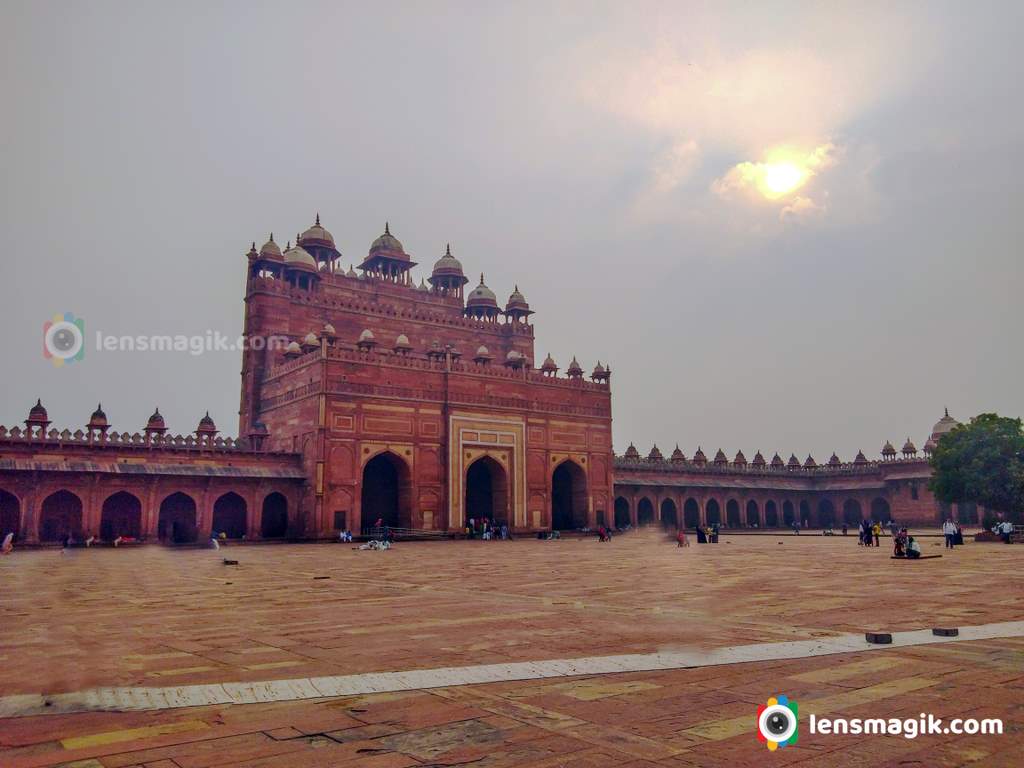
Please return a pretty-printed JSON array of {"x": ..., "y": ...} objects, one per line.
[{"x": 776, "y": 722}]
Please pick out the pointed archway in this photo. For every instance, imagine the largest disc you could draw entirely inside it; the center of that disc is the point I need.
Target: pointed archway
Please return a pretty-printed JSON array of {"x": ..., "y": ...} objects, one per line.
[
  {"x": 274, "y": 517},
  {"x": 669, "y": 515},
  {"x": 10, "y": 515},
  {"x": 713, "y": 512},
  {"x": 621, "y": 513},
  {"x": 177, "y": 521},
  {"x": 121, "y": 516},
  {"x": 732, "y": 513},
  {"x": 691, "y": 513},
  {"x": 851, "y": 512},
  {"x": 568, "y": 497},
  {"x": 487, "y": 492},
  {"x": 771, "y": 515},
  {"x": 386, "y": 495},
  {"x": 644, "y": 512},
  {"x": 61, "y": 516}
]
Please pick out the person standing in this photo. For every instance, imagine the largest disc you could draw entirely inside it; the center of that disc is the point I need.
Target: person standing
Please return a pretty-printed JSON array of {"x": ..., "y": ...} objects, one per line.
[
  {"x": 949, "y": 531},
  {"x": 876, "y": 529}
]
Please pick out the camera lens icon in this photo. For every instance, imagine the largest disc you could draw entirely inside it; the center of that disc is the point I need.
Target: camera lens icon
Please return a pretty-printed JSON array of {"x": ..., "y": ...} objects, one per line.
[
  {"x": 64, "y": 339},
  {"x": 776, "y": 722}
]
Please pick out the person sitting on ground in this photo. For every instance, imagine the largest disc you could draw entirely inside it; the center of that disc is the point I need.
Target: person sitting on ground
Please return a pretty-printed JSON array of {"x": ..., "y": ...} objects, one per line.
[
  {"x": 913, "y": 548},
  {"x": 681, "y": 539},
  {"x": 899, "y": 544},
  {"x": 8, "y": 545},
  {"x": 828, "y": 531}
]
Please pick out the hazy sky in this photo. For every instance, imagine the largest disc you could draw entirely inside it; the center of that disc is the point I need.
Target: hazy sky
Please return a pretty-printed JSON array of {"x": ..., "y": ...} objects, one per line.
[{"x": 629, "y": 165}]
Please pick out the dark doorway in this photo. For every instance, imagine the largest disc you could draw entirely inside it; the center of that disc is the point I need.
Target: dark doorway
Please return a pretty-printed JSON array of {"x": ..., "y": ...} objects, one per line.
[
  {"x": 851, "y": 512},
  {"x": 644, "y": 513},
  {"x": 274, "y": 519},
  {"x": 771, "y": 515},
  {"x": 691, "y": 513},
  {"x": 386, "y": 493},
  {"x": 732, "y": 513},
  {"x": 669, "y": 516},
  {"x": 10, "y": 515},
  {"x": 788, "y": 516},
  {"x": 177, "y": 521},
  {"x": 753, "y": 520},
  {"x": 880, "y": 511},
  {"x": 568, "y": 497},
  {"x": 805, "y": 514},
  {"x": 713, "y": 512},
  {"x": 121, "y": 516},
  {"x": 487, "y": 491},
  {"x": 61, "y": 515},
  {"x": 229, "y": 516},
  {"x": 826, "y": 513},
  {"x": 621, "y": 513}
]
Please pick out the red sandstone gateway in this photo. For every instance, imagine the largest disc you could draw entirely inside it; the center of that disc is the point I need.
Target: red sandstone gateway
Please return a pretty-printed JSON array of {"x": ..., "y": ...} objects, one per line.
[{"x": 419, "y": 406}]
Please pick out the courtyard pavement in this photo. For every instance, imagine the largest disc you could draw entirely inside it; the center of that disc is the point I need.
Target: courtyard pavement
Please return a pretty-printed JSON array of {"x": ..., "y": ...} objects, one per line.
[{"x": 165, "y": 618}]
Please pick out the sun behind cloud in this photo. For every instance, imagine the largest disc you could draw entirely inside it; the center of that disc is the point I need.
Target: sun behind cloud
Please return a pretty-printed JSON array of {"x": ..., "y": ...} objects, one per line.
[{"x": 782, "y": 171}]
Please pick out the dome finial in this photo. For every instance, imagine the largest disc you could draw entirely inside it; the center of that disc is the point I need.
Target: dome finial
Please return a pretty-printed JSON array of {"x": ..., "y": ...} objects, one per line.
[
  {"x": 517, "y": 287},
  {"x": 481, "y": 278},
  {"x": 448, "y": 249},
  {"x": 947, "y": 412},
  {"x": 318, "y": 218},
  {"x": 387, "y": 229},
  {"x": 271, "y": 237}
]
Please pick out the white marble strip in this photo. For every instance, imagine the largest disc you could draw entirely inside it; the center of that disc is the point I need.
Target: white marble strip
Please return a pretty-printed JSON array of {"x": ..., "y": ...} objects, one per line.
[{"x": 133, "y": 699}]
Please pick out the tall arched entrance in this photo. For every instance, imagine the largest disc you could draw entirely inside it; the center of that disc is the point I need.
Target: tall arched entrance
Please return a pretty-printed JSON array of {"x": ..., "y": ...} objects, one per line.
[
  {"x": 713, "y": 512},
  {"x": 621, "y": 512},
  {"x": 568, "y": 497},
  {"x": 805, "y": 514},
  {"x": 10, "y": 515},
  {"x": 826, "y": 513},
  {"x": 771, "y": 515},
  {"x": 851, "y": 512},
  {"x": 691, "y": 513},
  {"x": 121, "y": 516},
  {"x": 487, "y": 491},
  {"x": 177, "y": 521},
  {"x": 669, "y": 515},
  {"x": 274, "y": 516},
  {"x": 753, "y": 519},
  {"x": 732, "y": 513},
  {"x": 229, "y": 515},
  {"x": 788, "y": 515},
  {"x": 61, "y": 515},
  {"x": 644, "y": 512},
  {"x": 386, "y": 493}
]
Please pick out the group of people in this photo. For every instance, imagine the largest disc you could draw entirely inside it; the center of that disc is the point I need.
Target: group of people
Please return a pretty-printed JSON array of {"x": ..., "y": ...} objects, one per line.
[
  {"x": 484, "y": 529},
  {"x": 905, "y": 545},
  {"x": 953, "y": 533},
  {"x": 1005, "y": 530},
  {"x": 869, "y": 534},
  {"x": 707, "y": 534}
]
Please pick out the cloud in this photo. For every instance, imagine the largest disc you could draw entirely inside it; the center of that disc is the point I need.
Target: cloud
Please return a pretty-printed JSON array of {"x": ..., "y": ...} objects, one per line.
[
  {"x": 799, "y": 208},
  {"x": 779, "y": 174}
]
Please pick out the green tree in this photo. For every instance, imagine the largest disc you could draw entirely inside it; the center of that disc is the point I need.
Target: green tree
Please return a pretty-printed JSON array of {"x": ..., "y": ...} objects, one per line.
[{"x": 983, "y": 462}]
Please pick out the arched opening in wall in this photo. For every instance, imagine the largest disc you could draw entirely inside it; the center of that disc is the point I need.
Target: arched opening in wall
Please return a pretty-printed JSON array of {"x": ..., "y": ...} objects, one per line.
[
  {"x": 880, "y": 512},
  {"x": 621, "y": 513},
  {"x": 967, "y": 513},
  {"x": 487, "y": 491},
  {"x": 826, "y": 513},
  {"x": 229, "y": 516},
  {"x": 10, "y": 515},
  {"x": 386, "y": 493},
  {"x": 61, "y": 515},
  {"x": 568, "y": 497},
  {"x": 274, "y": 517},
  {"x": 771, "y": 515},
  {"x": 713, "y": 512},
  {"x": 691, "y": 513},
  {"x": 851, "y": 512},
  {"x": 732, "y": 514},
  {"x": 669, "y": 515},
  {"x": 805, "y": 514},
  {"x": 644, "y": 512},
  {"x": 176, "y": 523},
  {"x": 753, "y": 520},
  {"x": 599, "y": 514},
  {"x": 788, "y": 514},
  {"x": 121, "y": 516}
]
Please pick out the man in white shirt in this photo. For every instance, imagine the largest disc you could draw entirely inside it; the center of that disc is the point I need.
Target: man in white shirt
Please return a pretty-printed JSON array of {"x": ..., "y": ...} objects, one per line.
[
  {"x": 949, "y": 531},
  {"x": 1006, "y": 528}
]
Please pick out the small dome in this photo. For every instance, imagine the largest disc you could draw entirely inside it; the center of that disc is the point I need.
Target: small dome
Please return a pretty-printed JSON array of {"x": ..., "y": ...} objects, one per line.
[
  {"x": 678, "y": 456},
  {"x": 517, "y": 302},
  {"x": 366, "y": 335},
  {"x": 655, "y": 454},
  {"x": 549, "y": 365},
  {"x": 156, "y": 421},
  {"x": 598, "y": 370},
  {"x": 632, "y": 453},
  {"x": 777, "y": 461},
  {"x": 834, "y": 461},
  {"x": 98, "y": 418},
  {"x": 810, "y": 463},
  {"x": 482, "y": 296},
  {"x": 943, "y": 426},
  {"x": 310, "y": 339},
  {"x": 930, "y": 445},
  {"x": 270, "y": 249},
  {"x": 574, "y": 369},
  {"x": 740, "y": 460},
  {"x": 720, "y": 458},
  {"x": 448, "y": 266},
  {"x": 758, "y": 460},
  {"x": 328, "y": 330},
  {"x": 909, "y": 447},
  {"x": 297, "y": 256},
  {"x": 482, "y": 351},
  {"x": 37, "y": 412},
  {"x": 513, "y": 355},
  {"x": 794, "y": 462},
  {"x": 387, "y": 242},
  {"x": 316, "y": 235},
  {"x": 293, "y": 348},
  {"x": 699, "y": 457},
  {"x": 861, "y": 458},
  {"x": 206, "y": 424},
  {"x": 888, "y": 450},
  {"x": 402, "y": 342}
]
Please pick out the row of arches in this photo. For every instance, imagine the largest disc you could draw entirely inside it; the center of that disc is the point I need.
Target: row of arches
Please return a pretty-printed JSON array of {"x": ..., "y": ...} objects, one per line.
[
  {"x": 734, "y": 515},
  {"x": 61, "y": 515},
  {"x": 386, "y": 493}
]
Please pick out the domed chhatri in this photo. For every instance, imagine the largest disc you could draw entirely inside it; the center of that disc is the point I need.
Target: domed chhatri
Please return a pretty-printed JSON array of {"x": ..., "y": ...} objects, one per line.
[
  {"x": 482, "y": 303},
  {"x": 402, "y": 344},
  {"x": 794, "y": 462},
  {"x": 777, "y": 462},
  {"x": 575, "y": 370},
  {"x": 943, "y": 426},
  {"x": 387, "y": 260},
  {"x": 549, "y": 367},
  {"x": 98, "y": 420},
  {"x": 206, "y": 426},
  {"x": 293, "y": 350},
  {"x": 316, "y": 235},
  {"x": 678, "y": 457},
  {"x": 309, "y": 342},
  {"x": 721, "y": 460},
  {"x": 516, "y": 308},
  {"x": 483, "y": 355},
  {"x": 600, "y": 373},
  {"x": 447, "y": 276},
  {"x": 834, "y": 461},
  {"x": 810, "y": 463},
  {"x": 888, "y": 451},
  {"x": 632, "y": 454},
  {"x": 758, "y": 461},
  {"x": 388, "y": 243},
  {"x": 155, "y": 424},
  {"x": 37, "y": 415},
  {"x": 860, "y": 459},
  {"x": 367, "y": 340},
  {"x": 740, "y": 460},
  {"x": 655, "y": 454},
  {"x": 297, "y": 257},
  {"x": 909, "y": 449},
  {"x": 271, "y": 250}
]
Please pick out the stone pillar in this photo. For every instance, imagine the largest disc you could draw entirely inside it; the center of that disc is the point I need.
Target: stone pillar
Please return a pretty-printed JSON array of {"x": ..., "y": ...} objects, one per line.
[{"x": 253, "y": 502}]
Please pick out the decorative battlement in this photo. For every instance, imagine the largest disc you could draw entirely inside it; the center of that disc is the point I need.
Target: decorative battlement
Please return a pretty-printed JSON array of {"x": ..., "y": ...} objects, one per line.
[
  {"x": 80, "y": 439},
  {"x": 689, "y": 467}
]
